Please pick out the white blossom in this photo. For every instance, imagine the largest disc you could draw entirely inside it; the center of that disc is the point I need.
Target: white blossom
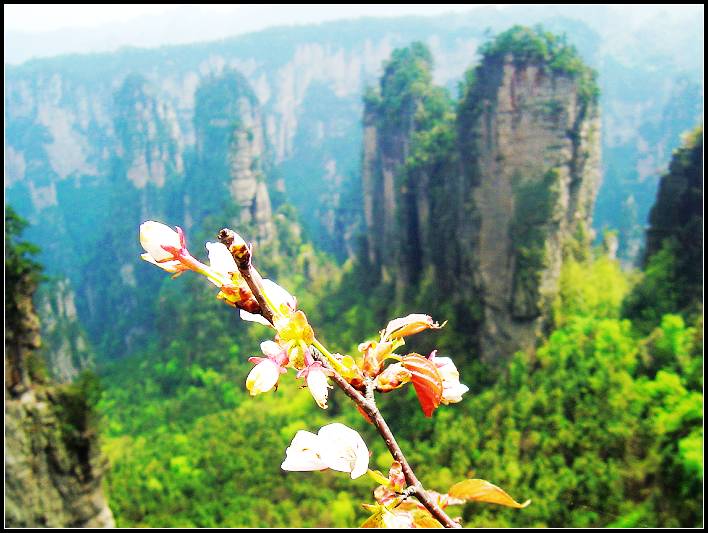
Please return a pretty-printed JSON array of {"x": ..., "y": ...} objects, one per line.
[
  {"x": 303, "y": 453},
  {"x": 277, "y": 296},
  {"x": 252, "y": 317},
  {"x": 335, "y": 446},
  {"x": 169, "y": 266},
  {"x": 317, "y": 383}
]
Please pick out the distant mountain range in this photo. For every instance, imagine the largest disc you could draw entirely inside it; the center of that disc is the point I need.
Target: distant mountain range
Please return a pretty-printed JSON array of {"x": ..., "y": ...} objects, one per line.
[{"x": 87, "y": 135}]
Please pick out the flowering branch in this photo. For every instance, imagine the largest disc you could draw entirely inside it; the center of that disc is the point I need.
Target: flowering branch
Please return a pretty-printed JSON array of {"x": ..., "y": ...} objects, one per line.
[
  {"x": 415, "y": 487},
  {"x": 435, "y": 379},
  {"x": 242, "y": 256}
]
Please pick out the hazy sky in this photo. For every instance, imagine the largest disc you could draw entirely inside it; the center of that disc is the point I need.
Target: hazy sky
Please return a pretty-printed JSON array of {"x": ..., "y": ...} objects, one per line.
[
  {"x": 42, "y": 30},
  {"x": 48, "y": 17}
]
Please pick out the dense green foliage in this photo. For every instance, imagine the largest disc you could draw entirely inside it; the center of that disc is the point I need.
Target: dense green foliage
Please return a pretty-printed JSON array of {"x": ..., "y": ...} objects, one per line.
[
  {"x": 537, "y": 46},
  {"x": 599, "y": 427},
  {"x": 406, "y": 81},
  {"x": 582, "y": 426},
  {"x": 673, "y": 274}
]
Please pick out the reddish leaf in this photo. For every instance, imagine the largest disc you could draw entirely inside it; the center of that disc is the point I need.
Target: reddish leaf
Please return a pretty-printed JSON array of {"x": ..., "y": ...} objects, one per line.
[
  {"x": 479, "y": 490},
  {"x": 427, "y": 381}
]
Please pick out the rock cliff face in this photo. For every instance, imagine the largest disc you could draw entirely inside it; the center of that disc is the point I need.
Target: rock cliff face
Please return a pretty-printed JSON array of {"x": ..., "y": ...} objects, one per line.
[
  {"x": 406, "y": 153},
  {"x": 677, "y": 213},
  {"x": 149, "y": 137},
  {"x": 231, "y": 155},
  {"x": 530, "y": 152},
  {"x": 389, "y": 125},
  {"x": 53, "y": 465},
  {"x": 153, "y": 177},
  {"x": 91, "y": 156},
  {"x": 65, "y": 348},
  {"x": 672, "y": 280},
  {"x": 484, "y": 206}
]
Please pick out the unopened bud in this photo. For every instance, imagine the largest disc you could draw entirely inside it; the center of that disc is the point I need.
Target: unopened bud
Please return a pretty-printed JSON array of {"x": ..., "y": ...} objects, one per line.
[
  {"x": 239, "y": 249},
  {"x": 408, "y": 325},
  {"x": 374, "y": 355},
  {"x": 393, "y": 377}
]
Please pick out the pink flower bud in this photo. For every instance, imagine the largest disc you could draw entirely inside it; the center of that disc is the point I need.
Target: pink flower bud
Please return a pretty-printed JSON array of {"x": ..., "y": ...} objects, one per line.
[
  {"x": 317, "y": 383},
  {"x": 275, "y": 352},
  {"x": 154, "y": 235},
  {"x": 263, "y": 377},
  {"x": 168, "y": 266}
]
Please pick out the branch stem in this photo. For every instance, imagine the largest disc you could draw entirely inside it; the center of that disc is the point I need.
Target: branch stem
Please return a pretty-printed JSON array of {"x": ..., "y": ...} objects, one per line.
[
  {"x": 371, "y": 411},
  {"x": 255, "y": 283}
]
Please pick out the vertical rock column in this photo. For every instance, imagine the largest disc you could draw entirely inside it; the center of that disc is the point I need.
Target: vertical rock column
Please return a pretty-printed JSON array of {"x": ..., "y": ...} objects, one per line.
[
  {"x": 530, "y": 149},
  {"x": 231, "y": 154}
]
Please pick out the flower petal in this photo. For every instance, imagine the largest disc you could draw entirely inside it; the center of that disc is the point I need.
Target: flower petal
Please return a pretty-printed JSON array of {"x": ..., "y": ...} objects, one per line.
[
  {"x": 452, "y": 388},
  {"x": 220, "y": 259},
  {"x": 408, "y": 325},
  {"x": 169, "y": 266},
  {"x": 317, "y": 383},
  {"x": 453, "y": 393},
  {"x": 263, "y": 377},
  {"x": 342, "y": 449},
  {"x": 251, "y": 317},
  {"x": 301, "y": 455},
  {"x": 155, "y": 235},
  {"x": 279, "y": 296},
  {"x": 270, "y": 348}
]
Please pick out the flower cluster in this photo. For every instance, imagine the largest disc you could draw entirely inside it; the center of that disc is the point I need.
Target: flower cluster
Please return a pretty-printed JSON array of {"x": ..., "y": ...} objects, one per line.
[
  {"x": 377, "y": 368},
  {"x": 167, "y": 249},
  {"x": 435, "y": 379}
]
